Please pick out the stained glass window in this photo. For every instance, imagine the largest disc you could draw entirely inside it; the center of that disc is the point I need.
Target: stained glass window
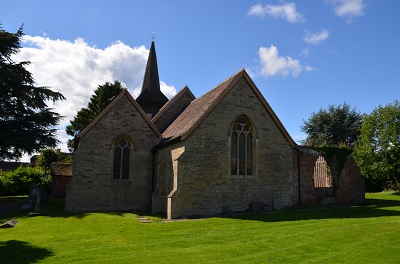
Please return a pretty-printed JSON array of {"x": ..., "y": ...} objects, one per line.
[
  {"x": 249, "y": 154},
  {"x": 234, "y": 153},
  {"x": 242, "y": 148}
]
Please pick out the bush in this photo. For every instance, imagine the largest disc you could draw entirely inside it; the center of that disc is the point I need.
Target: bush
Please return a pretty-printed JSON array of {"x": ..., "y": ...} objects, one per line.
[{"x": 18, "y": 182}]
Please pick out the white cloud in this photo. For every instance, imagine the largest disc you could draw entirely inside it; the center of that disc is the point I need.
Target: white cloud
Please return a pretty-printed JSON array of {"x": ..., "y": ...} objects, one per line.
[
  {"x": 305, "y": 52},
  {"x": 348, "y": 8},
  {"x": 76, "y": 69},
  {"x": 272, "y": 64},
  {"x": 286, "y": 11},
  {"x": 308, "y": 68},
  {"x": 316, "y": 38}
]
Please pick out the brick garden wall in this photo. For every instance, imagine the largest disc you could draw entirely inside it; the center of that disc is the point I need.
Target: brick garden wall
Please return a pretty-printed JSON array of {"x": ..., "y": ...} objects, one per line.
[{"x": 349, "y": 190}]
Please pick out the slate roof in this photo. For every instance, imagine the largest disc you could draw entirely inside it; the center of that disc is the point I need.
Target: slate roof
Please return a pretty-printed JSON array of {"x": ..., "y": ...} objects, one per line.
[
  {"x": 171, "y": 102},
  {"x": 151, "y": 84},
  {"x": 198, "y": 110},
  {"x": 173, "y": 108}
]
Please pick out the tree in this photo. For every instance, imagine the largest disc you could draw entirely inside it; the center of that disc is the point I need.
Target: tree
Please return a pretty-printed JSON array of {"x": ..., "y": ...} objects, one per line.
[
  {"x": 377, "y": 152},
  {"x": 335, "y": 126},
  {"x": 102, "y": 97},
  {"x": 26, "y": 122},
  {"x": 46, "y": 157}
]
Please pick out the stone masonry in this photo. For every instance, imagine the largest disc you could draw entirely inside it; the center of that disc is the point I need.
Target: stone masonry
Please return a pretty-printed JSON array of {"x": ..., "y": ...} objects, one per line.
[
  {"x": 92, "y": 187},
  {"x": 204, "y": 183}
]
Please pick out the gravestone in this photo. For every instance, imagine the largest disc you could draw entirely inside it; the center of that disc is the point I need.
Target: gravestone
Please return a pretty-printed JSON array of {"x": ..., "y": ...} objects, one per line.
[{"x": 9, "y": 224}]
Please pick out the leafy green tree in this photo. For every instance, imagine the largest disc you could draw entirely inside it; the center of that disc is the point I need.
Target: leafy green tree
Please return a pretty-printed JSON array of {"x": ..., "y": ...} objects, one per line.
[
  {"x": 336, "y": 126},
  {"x": 377, "y": 152},
  {"x": 26, "y": 122},
  {"x": 46, "y": 157},
  {"x": 101, "y": 98}
]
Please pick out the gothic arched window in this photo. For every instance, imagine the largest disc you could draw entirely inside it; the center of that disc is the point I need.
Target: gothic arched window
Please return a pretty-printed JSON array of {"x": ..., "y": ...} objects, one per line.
[
  {"x": 122, "y": 152},
  {"x": 242, "y": 136}
]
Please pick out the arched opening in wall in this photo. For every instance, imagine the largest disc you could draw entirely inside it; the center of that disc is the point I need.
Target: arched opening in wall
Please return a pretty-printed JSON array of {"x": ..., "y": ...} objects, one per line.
[{"x": 322, "y": 174}]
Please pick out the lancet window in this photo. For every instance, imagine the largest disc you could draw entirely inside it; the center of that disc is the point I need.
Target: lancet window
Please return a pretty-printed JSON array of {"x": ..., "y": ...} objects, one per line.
[
  {"x": 122, "y": 152},
  {"x": 242, "y": 136}
]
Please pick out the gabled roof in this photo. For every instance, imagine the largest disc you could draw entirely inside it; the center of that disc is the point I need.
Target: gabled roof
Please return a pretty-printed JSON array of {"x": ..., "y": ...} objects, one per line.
[
  {"x": 111, "y": 105},
  {"x": 170, "y": 103},
  {"x": 171, "y": 110},
  {"x": 199, "y": 109}
]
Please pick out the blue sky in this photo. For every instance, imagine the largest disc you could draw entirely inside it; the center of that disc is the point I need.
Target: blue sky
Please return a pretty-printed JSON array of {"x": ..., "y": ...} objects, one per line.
[{"x": 302, "y": 55}]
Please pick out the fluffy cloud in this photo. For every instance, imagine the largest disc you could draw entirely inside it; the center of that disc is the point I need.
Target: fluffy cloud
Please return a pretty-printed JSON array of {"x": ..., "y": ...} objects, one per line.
[
  {"x": 316, "y": 38},
  {"x": 272, "y": 64},
  {"x": 76, "y": 69},
  {"x": 348, "y": 8},
  {"x": 286, "y": 11}
]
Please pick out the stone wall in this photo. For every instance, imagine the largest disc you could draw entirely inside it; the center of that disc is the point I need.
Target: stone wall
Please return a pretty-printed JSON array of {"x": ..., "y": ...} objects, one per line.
[
  {"x": 92, "y": 186},
  {"x": 205, "y": 185}
]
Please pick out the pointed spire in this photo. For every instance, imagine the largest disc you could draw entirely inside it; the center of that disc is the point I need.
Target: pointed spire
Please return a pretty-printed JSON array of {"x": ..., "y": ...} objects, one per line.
[{"x": 151, "y": 99}]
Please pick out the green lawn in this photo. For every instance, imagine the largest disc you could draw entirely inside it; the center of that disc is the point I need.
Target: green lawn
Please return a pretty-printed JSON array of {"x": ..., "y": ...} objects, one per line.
[{"x": 366, "y": 234}]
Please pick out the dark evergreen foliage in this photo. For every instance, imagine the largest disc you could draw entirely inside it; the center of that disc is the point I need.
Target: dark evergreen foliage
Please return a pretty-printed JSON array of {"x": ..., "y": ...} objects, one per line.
[
  {"x": 335, "y": 126},
  {"x": 26, "y": 122}
]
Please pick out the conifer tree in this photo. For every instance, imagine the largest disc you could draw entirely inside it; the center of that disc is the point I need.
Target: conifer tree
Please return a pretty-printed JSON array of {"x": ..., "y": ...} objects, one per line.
[
  {"x": 27, "y": 124},
  {"x": 336, "y": 126}
]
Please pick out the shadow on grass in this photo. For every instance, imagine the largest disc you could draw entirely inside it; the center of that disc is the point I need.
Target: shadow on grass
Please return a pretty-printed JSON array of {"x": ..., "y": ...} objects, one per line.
[
  {"x": 56, "y": 208},
  {"x": 15, "y": 251},
  {"x": 371, "y": 208}
]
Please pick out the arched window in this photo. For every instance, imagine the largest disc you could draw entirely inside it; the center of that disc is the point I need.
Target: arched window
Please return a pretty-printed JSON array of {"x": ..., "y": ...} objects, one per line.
[
  {"x": 242, "y": 148},
  {"x": 122, "y": 152},
  {"x": 322, "y": 173}
]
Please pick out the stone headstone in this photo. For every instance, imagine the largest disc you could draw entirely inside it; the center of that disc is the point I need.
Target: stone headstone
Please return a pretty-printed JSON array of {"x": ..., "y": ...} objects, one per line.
[
  {"x": 37, "y": 197},
  {"x": 9, "y": 224}
]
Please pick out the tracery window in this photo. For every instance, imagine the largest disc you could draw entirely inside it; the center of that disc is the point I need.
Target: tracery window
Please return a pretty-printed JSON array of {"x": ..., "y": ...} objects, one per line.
[
  {"x": 242, "y": 148},
  {"x": 122, "y": 152}
]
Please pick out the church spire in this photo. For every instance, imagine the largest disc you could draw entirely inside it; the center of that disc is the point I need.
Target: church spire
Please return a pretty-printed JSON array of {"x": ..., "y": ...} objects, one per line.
[{"x": 151, "y": 99}]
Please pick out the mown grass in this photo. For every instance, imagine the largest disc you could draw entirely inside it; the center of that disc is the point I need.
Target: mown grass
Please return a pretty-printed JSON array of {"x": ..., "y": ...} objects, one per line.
[{"x": 364, "y": 234}]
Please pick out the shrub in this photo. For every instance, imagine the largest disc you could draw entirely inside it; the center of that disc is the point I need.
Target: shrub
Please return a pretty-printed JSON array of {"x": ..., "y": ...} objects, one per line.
[{"x": 18, "y": 182}]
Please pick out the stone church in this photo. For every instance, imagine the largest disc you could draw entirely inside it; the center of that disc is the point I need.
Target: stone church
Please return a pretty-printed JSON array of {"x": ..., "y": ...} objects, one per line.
[{"x": 225, "y": 151}]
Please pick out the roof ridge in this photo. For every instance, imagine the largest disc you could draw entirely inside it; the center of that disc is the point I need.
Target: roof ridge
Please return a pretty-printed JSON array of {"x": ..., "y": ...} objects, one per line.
[
  {"x": 110, "y": 105},
  {"x": 221, "y": 83},
  {"x": 171, "y": 101},
  {"x": 206, "y": 103}
]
